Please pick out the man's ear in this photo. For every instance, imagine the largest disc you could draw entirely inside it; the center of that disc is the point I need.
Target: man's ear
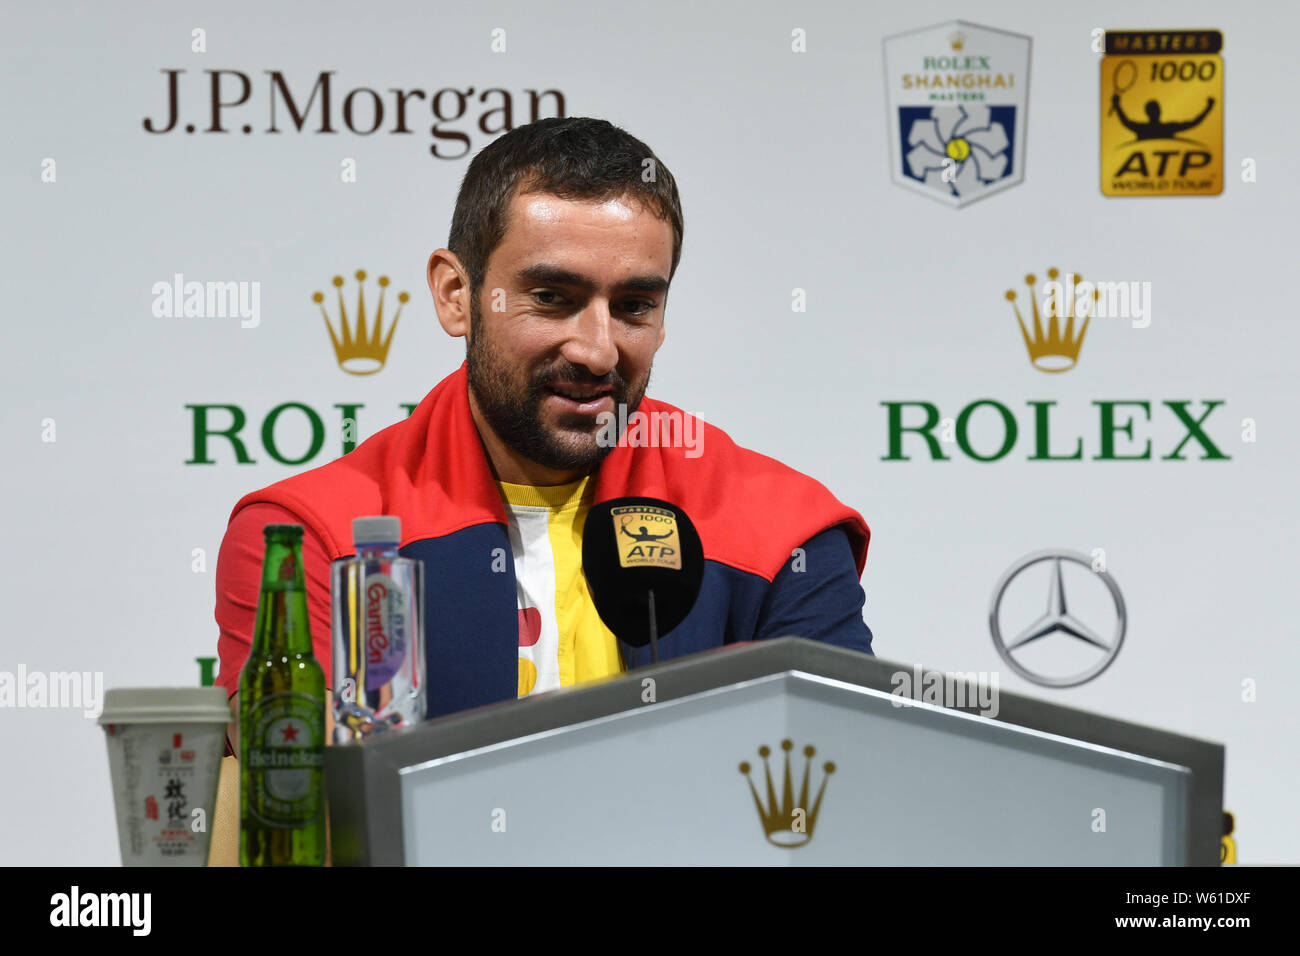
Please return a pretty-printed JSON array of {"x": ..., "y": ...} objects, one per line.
[{"x": 449, "y": 284}]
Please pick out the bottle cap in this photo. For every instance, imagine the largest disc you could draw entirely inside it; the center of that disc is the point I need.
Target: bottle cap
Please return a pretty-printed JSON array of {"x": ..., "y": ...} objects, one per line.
[{"x": 377, "y": 529}]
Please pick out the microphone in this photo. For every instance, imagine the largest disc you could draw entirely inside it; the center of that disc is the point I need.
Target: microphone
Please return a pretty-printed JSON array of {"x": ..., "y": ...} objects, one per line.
[{"x": 644, "y": 565}]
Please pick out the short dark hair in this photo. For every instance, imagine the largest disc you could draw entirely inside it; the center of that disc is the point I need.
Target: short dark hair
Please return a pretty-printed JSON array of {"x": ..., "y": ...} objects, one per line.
[{"x": 576, "y": 158}]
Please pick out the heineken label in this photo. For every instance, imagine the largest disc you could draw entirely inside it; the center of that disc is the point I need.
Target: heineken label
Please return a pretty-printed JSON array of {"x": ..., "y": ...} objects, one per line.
[
  {"x": 387, "y": 630},
  {"x": 286, "y": 756}
]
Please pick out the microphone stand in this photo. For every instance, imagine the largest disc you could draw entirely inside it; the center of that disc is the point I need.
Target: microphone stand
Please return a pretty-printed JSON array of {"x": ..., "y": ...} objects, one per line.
[{"x": 654, "y": 631}]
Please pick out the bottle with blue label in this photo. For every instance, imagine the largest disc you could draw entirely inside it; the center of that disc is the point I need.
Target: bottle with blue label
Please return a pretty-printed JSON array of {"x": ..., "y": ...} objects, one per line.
[{"x": 377, "y": 600}]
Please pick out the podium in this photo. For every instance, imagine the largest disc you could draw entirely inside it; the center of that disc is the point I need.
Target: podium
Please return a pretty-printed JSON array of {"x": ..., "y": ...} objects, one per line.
[{"x": 782, "y": 752}]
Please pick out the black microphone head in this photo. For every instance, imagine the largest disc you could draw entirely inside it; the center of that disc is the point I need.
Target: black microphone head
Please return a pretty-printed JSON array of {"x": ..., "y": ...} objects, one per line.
[{"x": 632, "y": 546}]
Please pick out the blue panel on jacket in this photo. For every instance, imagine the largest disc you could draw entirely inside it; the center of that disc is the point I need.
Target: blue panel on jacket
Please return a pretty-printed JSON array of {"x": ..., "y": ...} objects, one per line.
[
  {"x": 471, "y": 622},
  {"x": 816, "y": 595}
]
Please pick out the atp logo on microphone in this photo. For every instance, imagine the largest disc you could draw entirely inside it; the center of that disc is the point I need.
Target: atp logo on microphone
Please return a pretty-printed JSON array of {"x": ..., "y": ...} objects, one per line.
[{"x": 647, "y": 537}]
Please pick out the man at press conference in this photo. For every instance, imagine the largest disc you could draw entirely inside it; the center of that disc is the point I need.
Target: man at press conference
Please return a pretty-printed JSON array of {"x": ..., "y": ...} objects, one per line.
[{"x": 561, "y": 251}]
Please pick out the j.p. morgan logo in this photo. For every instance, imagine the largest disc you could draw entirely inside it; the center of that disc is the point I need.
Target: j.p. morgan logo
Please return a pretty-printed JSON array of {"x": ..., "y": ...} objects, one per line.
[
  {"x": 232, "y": 101},
  {"x": 1053, "y": 631}
]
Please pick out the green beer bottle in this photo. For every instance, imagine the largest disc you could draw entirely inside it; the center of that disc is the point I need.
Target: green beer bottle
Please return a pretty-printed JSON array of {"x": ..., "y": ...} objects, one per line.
[{"x": 282, "y": 720}]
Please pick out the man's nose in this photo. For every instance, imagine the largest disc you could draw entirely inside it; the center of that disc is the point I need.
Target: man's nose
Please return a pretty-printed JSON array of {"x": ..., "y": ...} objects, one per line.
[{"x": 592, "y": 343}]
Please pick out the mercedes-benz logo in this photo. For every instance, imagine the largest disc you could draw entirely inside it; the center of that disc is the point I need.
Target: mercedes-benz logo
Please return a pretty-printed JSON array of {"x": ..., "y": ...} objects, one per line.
[{"x": 1057, "y": 620}]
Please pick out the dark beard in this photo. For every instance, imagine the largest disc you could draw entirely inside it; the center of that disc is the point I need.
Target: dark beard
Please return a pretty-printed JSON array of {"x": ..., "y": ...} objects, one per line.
[{"x": 516, "y": 418}]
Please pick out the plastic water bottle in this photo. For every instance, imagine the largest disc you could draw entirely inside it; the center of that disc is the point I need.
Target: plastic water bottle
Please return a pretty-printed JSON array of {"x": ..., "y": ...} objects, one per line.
[{"x": 377, "y": 600}]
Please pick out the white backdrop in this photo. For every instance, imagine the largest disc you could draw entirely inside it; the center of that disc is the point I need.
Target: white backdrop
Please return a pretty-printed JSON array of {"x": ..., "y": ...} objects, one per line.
[{"x": 782, "y": 161}]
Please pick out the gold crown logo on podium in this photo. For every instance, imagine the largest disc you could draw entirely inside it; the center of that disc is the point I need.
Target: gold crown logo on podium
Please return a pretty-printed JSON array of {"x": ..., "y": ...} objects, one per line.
[
  {"x": 361, "y": 349},
  {"x": 957, "y": 40},
  {"x": 1057, "y": 349},
  {"x": 788, "y": 823}
]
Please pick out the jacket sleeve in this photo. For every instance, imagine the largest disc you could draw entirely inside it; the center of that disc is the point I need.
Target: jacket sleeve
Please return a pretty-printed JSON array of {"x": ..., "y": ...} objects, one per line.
[{"x": 816, "y": 595}]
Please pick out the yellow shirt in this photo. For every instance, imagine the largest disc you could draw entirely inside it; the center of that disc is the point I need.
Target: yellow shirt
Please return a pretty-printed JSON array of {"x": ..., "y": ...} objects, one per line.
[{"x": 562, "y": 639}]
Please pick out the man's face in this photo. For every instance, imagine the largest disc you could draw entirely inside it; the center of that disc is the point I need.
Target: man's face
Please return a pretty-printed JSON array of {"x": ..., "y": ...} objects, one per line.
[{"x": 567, "y": 323}]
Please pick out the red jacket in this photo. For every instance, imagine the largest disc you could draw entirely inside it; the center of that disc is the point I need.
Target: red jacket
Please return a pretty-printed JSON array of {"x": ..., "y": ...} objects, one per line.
[{"x": 751, "y": 512}]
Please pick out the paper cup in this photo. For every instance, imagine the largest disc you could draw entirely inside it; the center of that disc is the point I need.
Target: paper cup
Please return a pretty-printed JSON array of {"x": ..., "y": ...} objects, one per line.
[{"x": 164, "y": 753}]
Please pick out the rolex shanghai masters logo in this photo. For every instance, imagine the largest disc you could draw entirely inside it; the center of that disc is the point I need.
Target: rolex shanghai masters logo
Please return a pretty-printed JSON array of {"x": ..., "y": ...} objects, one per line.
[
  {"x": 957, "y": 98},
  {"x": 788, "y": 821}
]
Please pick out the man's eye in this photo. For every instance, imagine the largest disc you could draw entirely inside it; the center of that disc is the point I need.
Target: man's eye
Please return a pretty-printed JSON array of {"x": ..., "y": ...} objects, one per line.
[
  {"x": 638, "y": 306},
  {"x": 548, "y": 297}
]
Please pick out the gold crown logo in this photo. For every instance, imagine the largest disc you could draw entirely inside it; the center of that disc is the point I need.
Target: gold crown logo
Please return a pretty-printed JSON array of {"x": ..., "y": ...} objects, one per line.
[
  {"x": 788, "y": 824},
  {"x": 957, "y": 40},
  {"x": 363, "y": 351},
  {"x": 1057, "y": 350}
]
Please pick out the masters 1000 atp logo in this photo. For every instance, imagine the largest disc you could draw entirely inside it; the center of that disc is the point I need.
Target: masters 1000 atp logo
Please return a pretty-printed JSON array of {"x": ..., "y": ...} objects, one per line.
[
  {"x": 647, "y": 537},
  {"x": 957, "y": 96},
  {"x": 1162, "y": 113}
]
